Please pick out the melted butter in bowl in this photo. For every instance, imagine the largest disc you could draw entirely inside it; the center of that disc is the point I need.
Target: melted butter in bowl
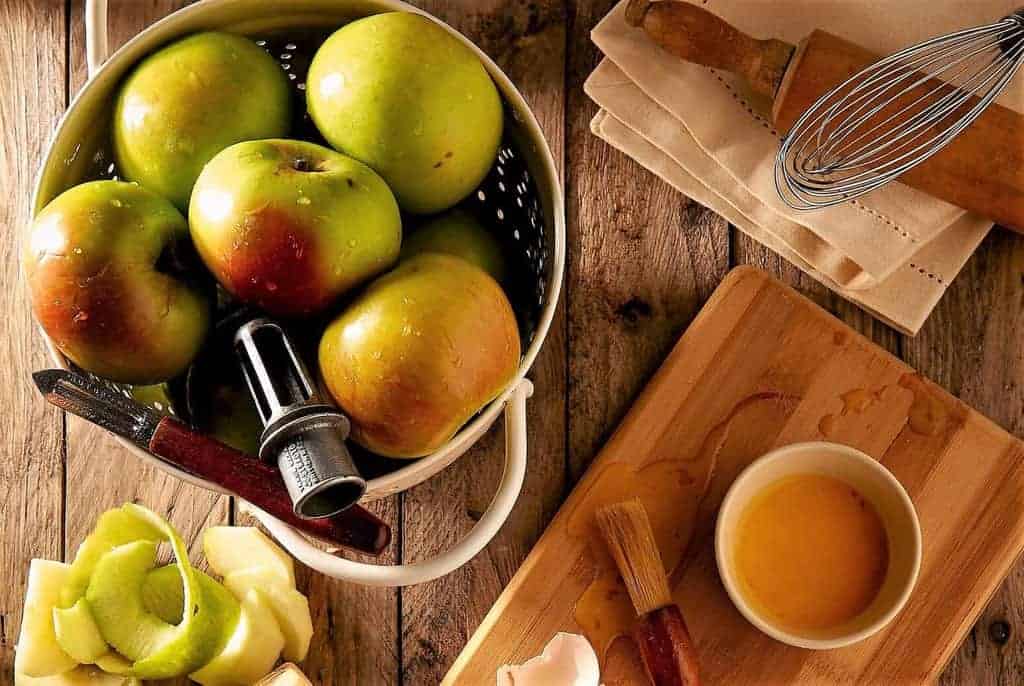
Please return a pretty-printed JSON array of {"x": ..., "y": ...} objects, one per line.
[{"x": 818, "y": 545}]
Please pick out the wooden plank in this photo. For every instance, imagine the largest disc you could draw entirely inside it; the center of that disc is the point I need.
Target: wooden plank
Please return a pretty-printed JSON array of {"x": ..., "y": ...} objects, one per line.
[
  {"x": 748, "y": 251},
  {"x": 642, "y": 260},
  {"x": 32, "y": 77},
  {"x": 972, "y": 346},
  {"x": 762, "y": 367},
  {"x": 528, "y": 42}
]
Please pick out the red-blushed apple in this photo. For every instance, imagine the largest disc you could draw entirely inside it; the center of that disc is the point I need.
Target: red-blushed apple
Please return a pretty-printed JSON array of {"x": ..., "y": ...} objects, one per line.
[
  {"x": 107, "y": 268},
  {"x": 397, "y": 91},
  {"x": 419, "y": 352},
  {"x": 191, "y": 99},
  {"x": 290, "y": 226}
]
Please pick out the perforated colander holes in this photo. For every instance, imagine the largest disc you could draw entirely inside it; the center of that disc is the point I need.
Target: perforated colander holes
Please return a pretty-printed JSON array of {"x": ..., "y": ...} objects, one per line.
[{"x": 508, "y": 203}]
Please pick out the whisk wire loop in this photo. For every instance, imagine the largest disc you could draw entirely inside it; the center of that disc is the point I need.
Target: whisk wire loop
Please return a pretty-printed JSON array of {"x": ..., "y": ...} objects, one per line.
[{"x": 895, "y": 114}]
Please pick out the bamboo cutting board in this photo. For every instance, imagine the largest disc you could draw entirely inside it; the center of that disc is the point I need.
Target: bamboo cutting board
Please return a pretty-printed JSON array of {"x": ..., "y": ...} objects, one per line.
[{"x": 760, "y": 367}]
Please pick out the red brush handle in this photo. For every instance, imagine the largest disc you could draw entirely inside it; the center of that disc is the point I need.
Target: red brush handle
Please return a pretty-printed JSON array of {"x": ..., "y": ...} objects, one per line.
[
  {"x": 666, "y": 648},
  {"x": 261, "y": 484}
]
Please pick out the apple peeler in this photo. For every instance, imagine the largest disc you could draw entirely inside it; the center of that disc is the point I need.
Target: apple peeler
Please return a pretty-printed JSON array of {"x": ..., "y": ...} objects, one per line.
[{"x": 303, "y": 435}]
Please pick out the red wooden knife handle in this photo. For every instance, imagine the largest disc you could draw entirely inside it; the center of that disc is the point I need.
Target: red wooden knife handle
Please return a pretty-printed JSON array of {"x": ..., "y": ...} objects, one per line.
[{"x": 260, "y": 483}]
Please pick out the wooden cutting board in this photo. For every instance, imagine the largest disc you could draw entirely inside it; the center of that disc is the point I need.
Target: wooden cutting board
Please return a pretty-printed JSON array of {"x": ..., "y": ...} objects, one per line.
[{"x": 760, "y": 367}]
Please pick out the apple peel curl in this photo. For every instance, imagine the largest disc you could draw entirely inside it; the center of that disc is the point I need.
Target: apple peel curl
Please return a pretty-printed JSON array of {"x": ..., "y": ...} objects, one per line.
[{"x": 115, "y": 595}]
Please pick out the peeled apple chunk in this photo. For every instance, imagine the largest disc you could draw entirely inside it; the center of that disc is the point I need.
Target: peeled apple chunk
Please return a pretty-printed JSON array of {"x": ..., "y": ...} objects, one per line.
[
  {"x": 38, "y": 654},
  {"x": 231, "y": 548},
  {"x": 252, "y": 650},
  {"x": 290, "y": 608},
  {"x": 77, "y": 633},
  {"x": 80, "y": 676},
  {"x": 157, "y": 648}
]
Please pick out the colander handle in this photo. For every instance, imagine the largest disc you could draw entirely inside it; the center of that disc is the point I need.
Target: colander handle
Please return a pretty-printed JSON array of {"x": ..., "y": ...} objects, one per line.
[
  {"x": 463, "y": 551},
  {"x": 95, "y": 34}
]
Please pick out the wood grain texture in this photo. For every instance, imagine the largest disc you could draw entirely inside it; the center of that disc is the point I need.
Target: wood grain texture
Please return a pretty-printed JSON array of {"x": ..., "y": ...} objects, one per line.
[
  {"x": 527, "y": 39},
  {"x": 642, "y": 260},
  {"x": 971, "y": 345},
  {"x": 762, "y": 367},
  {"x": 32, "y": 77}
]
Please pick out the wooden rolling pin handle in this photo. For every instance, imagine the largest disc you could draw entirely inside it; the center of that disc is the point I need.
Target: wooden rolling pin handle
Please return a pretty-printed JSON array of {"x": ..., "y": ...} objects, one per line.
[{"x": 696, "y": 35}]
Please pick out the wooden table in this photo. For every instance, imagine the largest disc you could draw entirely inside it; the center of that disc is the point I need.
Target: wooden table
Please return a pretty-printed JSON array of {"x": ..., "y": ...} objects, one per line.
[{"x": 642, "y": 260}]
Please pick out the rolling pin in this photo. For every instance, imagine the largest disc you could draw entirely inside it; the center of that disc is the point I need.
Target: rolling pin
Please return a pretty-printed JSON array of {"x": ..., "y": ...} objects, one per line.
[{"x": 981, "y": 170}]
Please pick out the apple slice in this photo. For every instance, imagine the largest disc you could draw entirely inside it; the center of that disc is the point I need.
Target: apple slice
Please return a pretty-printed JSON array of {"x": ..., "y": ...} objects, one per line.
[
  {"x": 77, "y": 633},
  {"x": 38, "y": 653},
  {"x": 285, "y": 675},
  {"x": 231, "y": 548},
  {"x": 112, "y": 663},
  {"x": 84, "y": 675},
  {"x": 252, "y": 650},
  {"x": 290, "y": 608},
  {"x": 113, "y": 528},
  {"x": 159, "y": 649}
]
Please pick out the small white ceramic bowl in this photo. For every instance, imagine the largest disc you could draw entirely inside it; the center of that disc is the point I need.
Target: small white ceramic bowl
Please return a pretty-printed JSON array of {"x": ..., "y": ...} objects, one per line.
[{"x": 877, "y": 485}]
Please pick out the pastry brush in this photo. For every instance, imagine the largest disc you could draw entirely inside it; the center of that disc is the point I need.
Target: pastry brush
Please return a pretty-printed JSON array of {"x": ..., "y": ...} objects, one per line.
[{"x": 660, "y": 633}]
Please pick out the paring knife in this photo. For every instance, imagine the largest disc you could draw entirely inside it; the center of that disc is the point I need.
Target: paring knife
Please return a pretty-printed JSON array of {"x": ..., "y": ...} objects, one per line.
[
  {"x": 981, "y": 170},
  {"x": 175, "y": 443}
]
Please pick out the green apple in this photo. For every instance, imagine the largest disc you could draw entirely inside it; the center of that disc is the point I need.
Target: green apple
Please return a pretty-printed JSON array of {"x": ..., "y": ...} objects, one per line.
[
  {"x": 158, "y": 649},
  {"x": 80, "y": 676},
  {"x": 419, "y": 352},
  {"x": 251, "y": 651},
  {"x": 188, "y": 101},
  {"x": 38, "y": 654},
  {"x": 290, "y": 608},
  {"x": 106, "y": 264},
  {"x": 458, "y": 233},
  {"x": 290, "y": 226},
  {"x": 231, "y": 548},
  {"x": 400, "y": 93},
  {"x": 78, "y": 634}
]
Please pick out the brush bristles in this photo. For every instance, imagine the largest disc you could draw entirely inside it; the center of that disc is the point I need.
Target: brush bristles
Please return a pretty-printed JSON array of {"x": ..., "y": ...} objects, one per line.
[{"x": 627, "y": 531}]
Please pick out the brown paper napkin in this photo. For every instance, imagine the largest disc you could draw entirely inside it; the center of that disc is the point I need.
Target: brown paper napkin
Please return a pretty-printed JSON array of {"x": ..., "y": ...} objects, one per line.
[{"x": 894, "y": 251}]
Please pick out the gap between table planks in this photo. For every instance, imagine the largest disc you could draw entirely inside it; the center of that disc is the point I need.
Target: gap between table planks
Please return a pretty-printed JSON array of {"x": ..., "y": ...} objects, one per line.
[{"x": 642, "y": 259}]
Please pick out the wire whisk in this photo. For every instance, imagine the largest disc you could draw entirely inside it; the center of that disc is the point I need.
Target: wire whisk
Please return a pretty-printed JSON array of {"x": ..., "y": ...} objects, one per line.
[{"x": 895, "y": 114}]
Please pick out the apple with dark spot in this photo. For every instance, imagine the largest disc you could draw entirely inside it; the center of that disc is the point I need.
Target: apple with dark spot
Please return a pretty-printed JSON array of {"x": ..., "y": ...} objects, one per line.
[
  {"x": 290, "y": 226},
  {"x": 397, "y": 91},
  {"x": 108, "y": 267}
]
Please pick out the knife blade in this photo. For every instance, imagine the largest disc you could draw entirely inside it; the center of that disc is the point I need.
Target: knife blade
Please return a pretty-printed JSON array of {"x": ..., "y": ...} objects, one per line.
[{"x": 177, "y": 444}]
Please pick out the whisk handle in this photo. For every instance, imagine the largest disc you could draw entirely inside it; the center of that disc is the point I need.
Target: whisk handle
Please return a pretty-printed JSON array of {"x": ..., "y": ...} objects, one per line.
[{"x": 696, "y": 35}]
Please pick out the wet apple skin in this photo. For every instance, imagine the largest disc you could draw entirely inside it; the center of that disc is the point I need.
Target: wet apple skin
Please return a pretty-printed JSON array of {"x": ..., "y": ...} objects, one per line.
[
  {"x": 188, "y": 101},
  {"x": 291, "y": 226},
  {"x": 419, "y": 352},
  {"x": 91, "y": 265}
]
